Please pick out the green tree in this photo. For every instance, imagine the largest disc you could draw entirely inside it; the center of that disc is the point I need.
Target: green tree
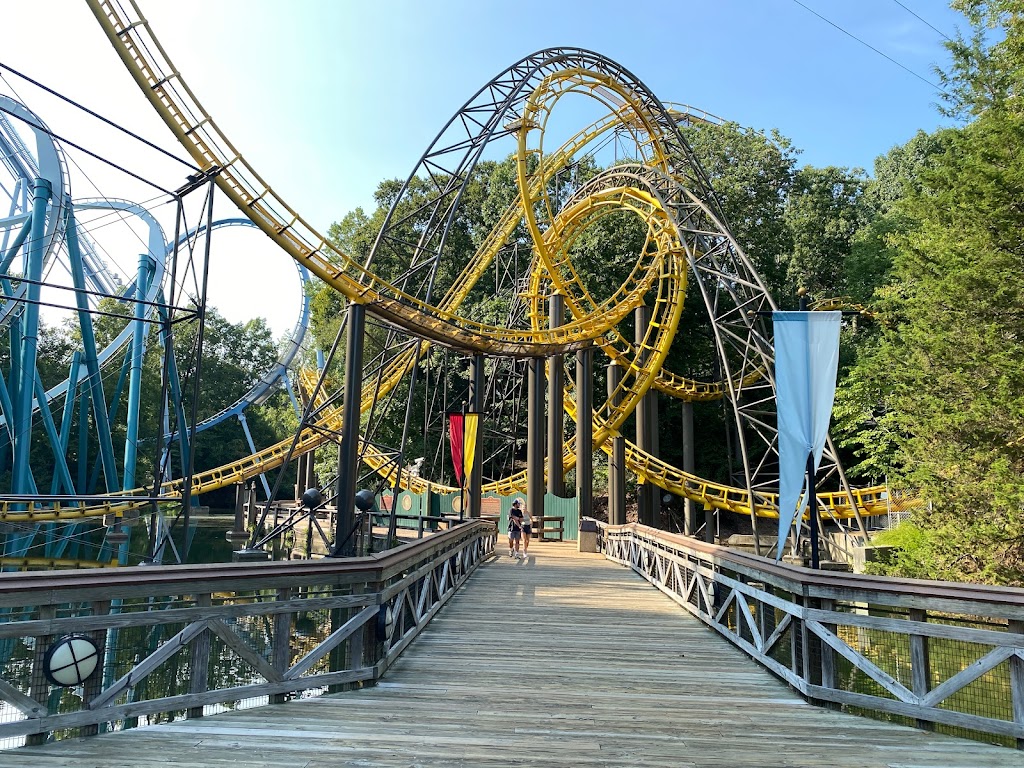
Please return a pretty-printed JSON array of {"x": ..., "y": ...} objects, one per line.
[
  {"x": 947, "y": 375},
  {"x": 825, "y": 209},
  {"x": 752, "y": 173}
]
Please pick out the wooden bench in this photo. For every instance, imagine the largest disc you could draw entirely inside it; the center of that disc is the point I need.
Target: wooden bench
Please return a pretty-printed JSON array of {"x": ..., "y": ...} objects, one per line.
[{"x": 541, "y": 529}]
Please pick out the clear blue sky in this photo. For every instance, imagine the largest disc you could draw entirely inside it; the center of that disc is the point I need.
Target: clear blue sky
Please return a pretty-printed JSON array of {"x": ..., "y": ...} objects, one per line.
[{"x": 326, "y": 98}]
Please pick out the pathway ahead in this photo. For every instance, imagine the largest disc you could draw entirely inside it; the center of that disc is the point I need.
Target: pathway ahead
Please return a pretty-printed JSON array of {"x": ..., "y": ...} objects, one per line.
[{"x": 563, "y": 660}]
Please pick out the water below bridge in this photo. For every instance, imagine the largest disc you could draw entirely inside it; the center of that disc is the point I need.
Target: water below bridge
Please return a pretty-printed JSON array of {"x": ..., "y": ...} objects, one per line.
[{"x": 564, "y": 659}]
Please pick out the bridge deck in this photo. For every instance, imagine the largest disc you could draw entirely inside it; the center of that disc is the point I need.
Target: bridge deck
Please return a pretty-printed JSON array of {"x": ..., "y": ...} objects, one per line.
[{"x": 563, "y": 660}]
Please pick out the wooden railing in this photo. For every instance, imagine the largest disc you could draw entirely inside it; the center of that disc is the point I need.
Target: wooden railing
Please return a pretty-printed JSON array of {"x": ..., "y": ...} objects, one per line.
[
  {"x": 938, "y": 655},
  {"x": 183, "y": 641}
]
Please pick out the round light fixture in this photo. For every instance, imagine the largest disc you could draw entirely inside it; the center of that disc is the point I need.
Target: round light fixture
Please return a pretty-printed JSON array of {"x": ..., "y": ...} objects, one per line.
[{"x": 71, "y": 660}]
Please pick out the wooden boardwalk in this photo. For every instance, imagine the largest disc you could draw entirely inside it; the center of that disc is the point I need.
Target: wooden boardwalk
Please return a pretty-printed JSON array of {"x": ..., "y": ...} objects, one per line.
[{"x": 564, "y": 660}]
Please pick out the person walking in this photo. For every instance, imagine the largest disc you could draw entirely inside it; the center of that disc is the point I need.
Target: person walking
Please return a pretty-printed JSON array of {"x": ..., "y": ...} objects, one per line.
[
  {"x": 515, "y": 529},
  {"x": 527, "y": 528}
]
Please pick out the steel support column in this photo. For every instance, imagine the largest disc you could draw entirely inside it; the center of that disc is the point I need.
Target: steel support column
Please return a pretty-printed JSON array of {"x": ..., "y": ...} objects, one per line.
[
  {"x": 617, "y": 460},
  {"x": 585, "y": 431},
  {"x": 131, "y": 443},
  {"x": 556, "y": 396},
  {"x": 646, "y": 415},
  {"x": 348, "y": 449},
  {"x": 535, "y": 436},
  {"x": 92, "y": 367},
  {"x": 29, "y": 346},
  {"x": 690, "y": 523}
]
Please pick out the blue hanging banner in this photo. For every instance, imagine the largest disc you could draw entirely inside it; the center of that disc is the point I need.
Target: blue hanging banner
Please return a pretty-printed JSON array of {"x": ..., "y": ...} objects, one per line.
[{"x": 806, "y": 362}]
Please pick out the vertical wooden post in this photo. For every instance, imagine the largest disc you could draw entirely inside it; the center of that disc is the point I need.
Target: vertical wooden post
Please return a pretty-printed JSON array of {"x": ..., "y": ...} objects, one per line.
[
  {"x": 199, "y": 661},
  {"x": 796, "y": 633},
  {"x": 828, "y": 656},
  {"x": 281, "y": 643},
  {"x": 920, "y": 663},
  {"x": 811, "y": 647},
  {"x": 94, "y": 685},
  {"x": 39, "y": 686},
  {"x": 339, "y": 657},
  {"x": 1017, "y": 681}
]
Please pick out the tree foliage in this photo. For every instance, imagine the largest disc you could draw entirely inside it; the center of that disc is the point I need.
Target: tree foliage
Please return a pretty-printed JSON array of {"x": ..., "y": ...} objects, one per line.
[{"x": 945, "y": 382}]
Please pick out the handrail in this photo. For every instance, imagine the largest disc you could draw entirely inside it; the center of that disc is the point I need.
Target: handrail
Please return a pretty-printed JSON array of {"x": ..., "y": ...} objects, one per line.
[
  {"x": 287, "y": 627},
  {"x": 16, "y": 586},
  {"x": 812, "y": 583},
  {"x": 895, "y": 648}
]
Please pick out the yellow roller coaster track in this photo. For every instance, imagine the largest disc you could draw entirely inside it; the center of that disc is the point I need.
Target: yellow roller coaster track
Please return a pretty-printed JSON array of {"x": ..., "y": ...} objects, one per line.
[{"x": 197, "y": 132}]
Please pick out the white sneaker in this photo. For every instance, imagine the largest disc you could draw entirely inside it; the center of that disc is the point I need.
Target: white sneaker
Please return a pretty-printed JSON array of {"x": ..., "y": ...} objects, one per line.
[{"x": 510, "y": 553}]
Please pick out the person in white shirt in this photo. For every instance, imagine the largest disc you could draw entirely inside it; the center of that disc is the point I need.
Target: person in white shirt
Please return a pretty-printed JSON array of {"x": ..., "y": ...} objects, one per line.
[{"x": 527, "y": 531}]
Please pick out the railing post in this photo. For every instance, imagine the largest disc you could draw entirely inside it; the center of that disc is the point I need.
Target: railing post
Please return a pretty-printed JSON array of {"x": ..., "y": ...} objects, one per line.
[
  {"x": 920, "y": 663},
  {"x": 199, "y": 661},
  {"x": 828, "y": 656},
  {"x": 811, "y": 647},
  {"x": 281, "y": 644},
  {"x": 339, "y": 655},
  {"x": 39, "y": 686},
  {"x": 760, "y": 612},
  {"x": 1017, "y": 680},
  {"x": 797, "y": 644},
  {"x": 94, "y": 685}
]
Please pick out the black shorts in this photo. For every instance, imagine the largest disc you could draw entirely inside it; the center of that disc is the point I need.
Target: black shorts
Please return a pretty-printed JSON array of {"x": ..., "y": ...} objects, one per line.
[{"x": 527, "y": 529}]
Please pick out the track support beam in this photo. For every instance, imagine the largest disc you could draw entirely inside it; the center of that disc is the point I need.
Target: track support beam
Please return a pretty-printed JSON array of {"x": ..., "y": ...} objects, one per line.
[
  {"x": 535, "y": 436},
  {"x": 348, "y": 450},
  {"x": 585, "y": 431},
  {"x": 617, "y": 460},
  {"x": 556, "y": 386}
]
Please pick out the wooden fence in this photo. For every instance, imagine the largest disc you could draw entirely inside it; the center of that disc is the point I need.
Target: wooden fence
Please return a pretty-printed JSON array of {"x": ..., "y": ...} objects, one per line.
[
  {"x": 932, "y": 654},
  {"x": 183, "y": 641}
]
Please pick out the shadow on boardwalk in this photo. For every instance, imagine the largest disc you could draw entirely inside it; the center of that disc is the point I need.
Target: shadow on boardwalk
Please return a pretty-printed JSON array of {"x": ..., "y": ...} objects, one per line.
[{"x": 561, "y": 660}]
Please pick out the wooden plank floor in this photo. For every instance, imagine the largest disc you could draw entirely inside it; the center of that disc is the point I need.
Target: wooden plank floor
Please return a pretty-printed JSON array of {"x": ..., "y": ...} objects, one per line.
[{"x": 564, "y": 660}]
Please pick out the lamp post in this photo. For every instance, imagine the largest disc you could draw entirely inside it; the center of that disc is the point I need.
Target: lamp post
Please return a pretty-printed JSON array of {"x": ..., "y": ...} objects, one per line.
[{"x": 812, "y": 495}]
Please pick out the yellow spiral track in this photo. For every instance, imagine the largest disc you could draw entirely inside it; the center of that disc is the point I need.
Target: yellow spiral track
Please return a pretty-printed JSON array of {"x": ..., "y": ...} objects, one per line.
[{"x": 661, "y": 270}]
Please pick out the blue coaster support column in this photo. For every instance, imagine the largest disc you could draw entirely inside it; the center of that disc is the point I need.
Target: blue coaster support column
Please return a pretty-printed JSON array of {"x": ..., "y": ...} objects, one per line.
[
  {"x": 131, "y": 444},
  {"x": 29, "y": 346},
  {"x": 92, "y": 367}
]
